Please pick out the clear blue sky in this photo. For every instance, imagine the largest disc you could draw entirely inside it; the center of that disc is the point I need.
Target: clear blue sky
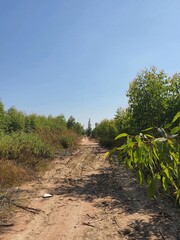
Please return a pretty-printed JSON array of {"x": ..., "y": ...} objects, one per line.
[{"x": 77, "y": 57}]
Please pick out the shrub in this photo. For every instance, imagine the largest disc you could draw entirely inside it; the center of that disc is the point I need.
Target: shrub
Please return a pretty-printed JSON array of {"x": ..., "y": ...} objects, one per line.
[
  {"x": 25, "y": 148},
  {"x": 11, "y": 174}
]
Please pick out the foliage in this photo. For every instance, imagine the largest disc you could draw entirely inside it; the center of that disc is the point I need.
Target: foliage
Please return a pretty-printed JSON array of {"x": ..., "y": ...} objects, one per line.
[
  {"x": 76, "y": 126},
  {"x": 69, "y": 139},
  {"x": 153, "y": 99},
  {"x": 156, "y": 160},
  {"x": 2, "y": 117},
  {"x": 123, "y": 120},
  {"x": 89, "y": 129},
  {"x": 15, "y": 120},
  {"x": 106, "y": 131},
  {"x": 24, "y": 148}
]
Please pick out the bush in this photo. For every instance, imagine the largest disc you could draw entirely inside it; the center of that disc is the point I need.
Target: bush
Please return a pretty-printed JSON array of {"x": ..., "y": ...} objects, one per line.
[
  {"x": 106, "y": 131},
  {"x": 156, "y": 160},
  {"x": 25, "y": 148},
  {"x": 11, "y": 174},
  {"x": 69, "y": 139}
]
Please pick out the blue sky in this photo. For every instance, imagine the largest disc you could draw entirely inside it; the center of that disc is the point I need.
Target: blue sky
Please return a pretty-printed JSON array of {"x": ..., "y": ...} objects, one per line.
[{"x": 77, "y": 57}]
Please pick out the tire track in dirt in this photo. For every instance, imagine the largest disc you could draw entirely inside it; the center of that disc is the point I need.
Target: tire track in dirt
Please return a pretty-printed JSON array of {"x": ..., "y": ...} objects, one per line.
[{"x": 91, "y": 200}]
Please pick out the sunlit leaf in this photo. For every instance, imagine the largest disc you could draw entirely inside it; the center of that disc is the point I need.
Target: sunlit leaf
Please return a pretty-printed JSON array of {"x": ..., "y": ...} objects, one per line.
[
  {"x": 176, "y": 117},
  {"x": 164, "y": 183},
  {"x": 121, "y": 135},
  {"x": 175, "y": 130},
  {"x": 162, "y": 132},
  {"x": 147, "y": 129},
  {"x": 160, "y": 139}
]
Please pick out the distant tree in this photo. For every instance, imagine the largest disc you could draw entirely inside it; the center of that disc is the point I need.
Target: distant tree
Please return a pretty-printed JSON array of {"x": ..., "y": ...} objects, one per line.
[
  {"x": 75, "y": 126},
  {"x": 89, "y": 129},
  {"x": 78, "y": 128},
  {"x": 71, "y": 122},
  {"x": 2, "y": 117},
  {"x": 15, "y": 120},
  {"x": 106, "y": 131}
]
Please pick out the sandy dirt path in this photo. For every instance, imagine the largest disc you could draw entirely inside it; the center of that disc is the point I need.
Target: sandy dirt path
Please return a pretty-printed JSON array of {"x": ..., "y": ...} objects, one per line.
[{"x": 91, "y": 199}]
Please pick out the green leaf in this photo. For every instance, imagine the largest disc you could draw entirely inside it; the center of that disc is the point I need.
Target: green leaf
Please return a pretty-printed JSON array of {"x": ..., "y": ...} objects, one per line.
[
  {"x": 122, "y": 147},
  {"x": 166, "y": 171},
  {"x": 164, "y": 183},
  {"x": 148, "y": 135},
  {"x": 155, "y": 152},
  {"x": 176, "y": 117},
  {"x": 147, "y": 129},
  {"x": 175, "y": 130},
  {"x": 151, "y": 189},
  {"x": 141, "y": 178},
  {"x": 121, "y": 135},
  {"x": 178, "y": 195},
  {"x": 106, "y": 154}
]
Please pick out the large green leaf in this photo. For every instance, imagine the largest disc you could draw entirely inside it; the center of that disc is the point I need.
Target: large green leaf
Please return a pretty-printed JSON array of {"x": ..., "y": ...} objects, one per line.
[
  {"x": 175, "y": 130},
  {"x": 176, "y": 117},
  {"x": 148, "y": 129},
  {"x": 121, "y": 135},
  {"x": 164, "y": 183}
]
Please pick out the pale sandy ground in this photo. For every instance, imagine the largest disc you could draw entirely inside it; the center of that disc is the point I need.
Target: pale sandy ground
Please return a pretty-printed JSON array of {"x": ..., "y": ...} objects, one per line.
[{"x": 90, "y": 200}]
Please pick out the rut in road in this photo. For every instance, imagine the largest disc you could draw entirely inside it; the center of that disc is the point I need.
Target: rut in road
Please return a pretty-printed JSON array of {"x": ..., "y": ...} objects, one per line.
[{"x": 90, "y": 200}]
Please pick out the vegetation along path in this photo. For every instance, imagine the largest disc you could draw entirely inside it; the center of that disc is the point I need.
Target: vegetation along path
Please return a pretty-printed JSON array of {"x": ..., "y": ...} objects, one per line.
[{"x": 91, "y": 199}]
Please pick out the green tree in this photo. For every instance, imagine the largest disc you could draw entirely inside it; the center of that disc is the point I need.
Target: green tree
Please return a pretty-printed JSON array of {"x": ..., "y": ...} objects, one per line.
[
  {"x": 89, "y": 128},
  {"x": 15, "y": 120},
  {"x": 106, "y": 131},
  {"x": 122, "y": 120},
  {"x": 149, "y": 99},
  {"x": 71, "y": 122},
  {"x": 2, "y": 117}
]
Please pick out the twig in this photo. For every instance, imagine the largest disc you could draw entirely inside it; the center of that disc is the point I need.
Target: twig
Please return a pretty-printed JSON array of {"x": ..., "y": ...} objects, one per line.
[
  {"x": 117, "y": 222},
  {"x": 29, "y": 209},
  {"x": 90, "y": 216},
  {"x": 87, "y": 224},
  {"x": 163, "y": 238},
  {"x": 7, "y": 225}
]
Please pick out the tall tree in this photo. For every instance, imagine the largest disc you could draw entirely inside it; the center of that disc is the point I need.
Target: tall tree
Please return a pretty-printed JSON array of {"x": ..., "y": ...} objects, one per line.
[
  {"x": 89, "y": 128},
  {"x": 149, "y": 99},
  {"x": 2, "y": 117}
]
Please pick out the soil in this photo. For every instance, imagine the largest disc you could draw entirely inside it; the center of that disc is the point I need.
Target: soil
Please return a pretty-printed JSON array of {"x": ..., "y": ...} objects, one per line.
[{"x": 90, "y": 199}]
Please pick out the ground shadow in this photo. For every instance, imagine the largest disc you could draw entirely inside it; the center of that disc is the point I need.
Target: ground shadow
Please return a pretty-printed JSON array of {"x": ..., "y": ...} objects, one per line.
[{"x": 127, "y": 194}]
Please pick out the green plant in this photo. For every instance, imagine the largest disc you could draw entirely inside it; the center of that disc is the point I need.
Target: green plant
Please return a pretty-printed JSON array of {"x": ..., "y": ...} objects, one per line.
[
  {"x": 156, "y": 160},
  {"x": 24, "y": 148}
]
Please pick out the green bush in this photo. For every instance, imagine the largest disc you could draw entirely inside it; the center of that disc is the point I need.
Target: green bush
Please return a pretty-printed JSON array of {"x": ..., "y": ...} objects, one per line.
[
  {"x": 25, "y": 148},
  {"x": 155, "y": 159}
]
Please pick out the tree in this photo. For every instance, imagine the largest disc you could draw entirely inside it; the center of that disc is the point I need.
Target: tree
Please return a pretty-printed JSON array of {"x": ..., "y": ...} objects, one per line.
[
  {"x": 106, "y": 131},
  {"x": 15, "y": 120},
  {"x": 71, "y": 122},
  {"x": 2, "y": 117},
  {"x": 122, "y": 120},
  {"x": 89, "y": 129},
  {"x": 150, "y": 97}
]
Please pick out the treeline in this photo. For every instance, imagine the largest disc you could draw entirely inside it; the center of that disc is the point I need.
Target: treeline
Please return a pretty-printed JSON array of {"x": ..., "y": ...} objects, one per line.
[
  {"x": 153, "y": 101},
  {"x": 27, "y": 141}
]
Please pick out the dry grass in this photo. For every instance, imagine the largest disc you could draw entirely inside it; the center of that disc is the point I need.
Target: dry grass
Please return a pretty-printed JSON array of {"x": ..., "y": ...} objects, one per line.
[{"x": 12, "y": 174}]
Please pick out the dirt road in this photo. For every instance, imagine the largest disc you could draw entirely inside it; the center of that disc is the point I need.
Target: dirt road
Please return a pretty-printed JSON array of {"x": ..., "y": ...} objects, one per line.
[{"x": 90, "y": 200}]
